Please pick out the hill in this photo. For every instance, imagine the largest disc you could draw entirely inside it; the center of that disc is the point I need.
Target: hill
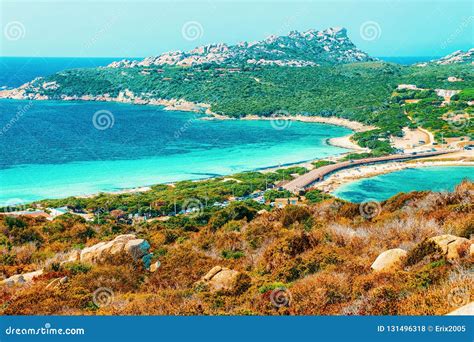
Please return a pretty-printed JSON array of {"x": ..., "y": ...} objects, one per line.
[
  {"x": 310, "y": 48},
  {"x": 457, "y": 57}
]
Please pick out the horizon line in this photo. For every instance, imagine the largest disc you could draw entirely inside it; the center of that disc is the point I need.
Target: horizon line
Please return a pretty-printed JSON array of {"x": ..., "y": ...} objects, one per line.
[{"x": 138, "y": 57}]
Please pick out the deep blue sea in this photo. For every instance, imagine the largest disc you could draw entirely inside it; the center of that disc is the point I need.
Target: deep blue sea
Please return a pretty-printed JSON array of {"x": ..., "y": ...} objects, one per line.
[
  {"x": 15, "y": 71},
  {"x": 55, "y": 149}
]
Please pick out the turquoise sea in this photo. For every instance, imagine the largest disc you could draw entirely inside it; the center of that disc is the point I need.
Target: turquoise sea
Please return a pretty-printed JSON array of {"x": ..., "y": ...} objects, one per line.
[
  {"x": 385, "y": 186},
  {"x": 54, "y": 149}
]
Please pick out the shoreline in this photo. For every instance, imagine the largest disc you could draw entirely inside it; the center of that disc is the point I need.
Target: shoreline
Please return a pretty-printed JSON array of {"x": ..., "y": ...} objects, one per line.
[
  {"x": 328, "y": 185},
  {"x": 356, "y": 126},
  {"x": 185, "y": 106},
  {"x": 128, "y": 97}
]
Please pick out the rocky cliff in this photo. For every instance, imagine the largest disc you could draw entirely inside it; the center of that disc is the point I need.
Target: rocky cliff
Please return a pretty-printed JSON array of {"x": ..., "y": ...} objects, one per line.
[{"x": 309, "y": 48}]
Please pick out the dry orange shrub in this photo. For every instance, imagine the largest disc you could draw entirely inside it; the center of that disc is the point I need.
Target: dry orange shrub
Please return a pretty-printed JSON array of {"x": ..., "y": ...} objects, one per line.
[{"x": 321, "y": 254}]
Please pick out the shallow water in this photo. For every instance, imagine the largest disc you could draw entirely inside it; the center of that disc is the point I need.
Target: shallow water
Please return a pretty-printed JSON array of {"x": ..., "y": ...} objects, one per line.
[{"x": 387, "y": 185}]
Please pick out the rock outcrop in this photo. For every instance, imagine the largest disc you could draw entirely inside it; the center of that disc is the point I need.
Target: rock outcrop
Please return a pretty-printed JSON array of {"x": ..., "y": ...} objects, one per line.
[
  {"x": 155, "y": 266},
  {"x": 224, "y": 280},
  {"x": 452, "y": 246},
  {"x": 297, "y": 49},
  {"x": 136, "y": 248},
  {"x": 466, "y": 310},
  {"x": 20, "y": 279},
  {"x": 390, "y": 260},
  {"x": 456, "y": 57},
  {"x": 56, "y": 283}
]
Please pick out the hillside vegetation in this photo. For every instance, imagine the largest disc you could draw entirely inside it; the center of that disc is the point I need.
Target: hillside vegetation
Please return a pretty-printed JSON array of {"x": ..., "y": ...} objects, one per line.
[
  {"x": 316, "y": 256},
  {"x": 363, "y": 92}
]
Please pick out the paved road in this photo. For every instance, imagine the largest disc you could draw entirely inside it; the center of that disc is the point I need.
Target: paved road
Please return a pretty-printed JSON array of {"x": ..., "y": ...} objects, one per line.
[{"x": 304, "y": 181}]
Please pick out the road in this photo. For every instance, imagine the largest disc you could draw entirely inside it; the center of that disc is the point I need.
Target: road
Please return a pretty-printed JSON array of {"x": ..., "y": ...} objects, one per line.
[{"x": 304, "y": 181}]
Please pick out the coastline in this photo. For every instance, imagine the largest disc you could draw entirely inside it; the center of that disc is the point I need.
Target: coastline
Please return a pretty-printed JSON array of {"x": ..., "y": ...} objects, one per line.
[
  {"x": 128, "y": 97},
  {"x": 331, "y": 120},
  {"x": 180, "y": 105},
  {"x": 328, "y": 185}
]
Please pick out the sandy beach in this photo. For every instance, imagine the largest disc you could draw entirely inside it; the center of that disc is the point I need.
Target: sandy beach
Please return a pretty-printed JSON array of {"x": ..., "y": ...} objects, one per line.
[
  {"x": 354, "y": 125},
  {"x": 347, "y": 142},
  {"x": 344, "y": 142},
  {"x": 413, "y": 139},
  {"x": 118, "y": 192}
]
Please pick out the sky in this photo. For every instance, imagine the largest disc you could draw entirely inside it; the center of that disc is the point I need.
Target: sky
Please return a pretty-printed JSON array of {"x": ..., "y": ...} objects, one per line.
[{"x": 61, "y": 28}]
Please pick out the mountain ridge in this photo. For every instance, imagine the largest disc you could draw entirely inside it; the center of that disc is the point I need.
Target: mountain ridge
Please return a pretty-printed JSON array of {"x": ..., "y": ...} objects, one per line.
[
  {"x": 456, "y": 57},
  {"x": 308, "y": 48}
]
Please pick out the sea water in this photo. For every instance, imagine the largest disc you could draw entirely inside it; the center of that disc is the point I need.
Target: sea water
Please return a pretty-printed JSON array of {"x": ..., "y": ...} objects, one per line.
[
  {"x": 53, "y": 149},
  {"x": 384, "y": 186}
]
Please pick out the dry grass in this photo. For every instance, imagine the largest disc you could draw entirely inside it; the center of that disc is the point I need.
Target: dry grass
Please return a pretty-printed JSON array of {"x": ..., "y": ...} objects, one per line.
[{"x": 321, "y": 255}]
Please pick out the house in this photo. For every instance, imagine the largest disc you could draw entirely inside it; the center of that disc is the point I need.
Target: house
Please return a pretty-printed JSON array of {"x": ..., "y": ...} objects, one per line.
[
  {"x": 86, "y": 216},
  {"x": 454, "y": 79},
  {"x": 55, "y": 212},
  {"x": 408, "y": 86},
  {"x": 283, "y": 202},
  {"x": 118, "y": 214}
]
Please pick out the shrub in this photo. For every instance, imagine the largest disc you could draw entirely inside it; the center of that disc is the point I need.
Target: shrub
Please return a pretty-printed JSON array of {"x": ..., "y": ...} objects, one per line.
[
  {"x": 292, "y": 214},
  {"x": 315, "y": 196},
  {"x": 227, "y": 254},
  {"x": 422, "y": 250},
  {"x": 77, "y": 267}
]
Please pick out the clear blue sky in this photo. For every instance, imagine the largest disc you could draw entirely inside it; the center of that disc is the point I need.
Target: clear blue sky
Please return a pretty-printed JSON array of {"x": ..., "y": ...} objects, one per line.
[{"x": 143, "y": 28}]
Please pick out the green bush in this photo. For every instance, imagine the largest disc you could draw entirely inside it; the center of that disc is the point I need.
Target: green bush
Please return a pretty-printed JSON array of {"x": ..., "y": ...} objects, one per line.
[{"x": 422, "y": 250}]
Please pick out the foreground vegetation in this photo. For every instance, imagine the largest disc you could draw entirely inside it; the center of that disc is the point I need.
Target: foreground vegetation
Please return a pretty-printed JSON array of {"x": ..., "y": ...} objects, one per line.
[
  {"x": 320, "y": 254},
  {"x": 165, "y": 199}
]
